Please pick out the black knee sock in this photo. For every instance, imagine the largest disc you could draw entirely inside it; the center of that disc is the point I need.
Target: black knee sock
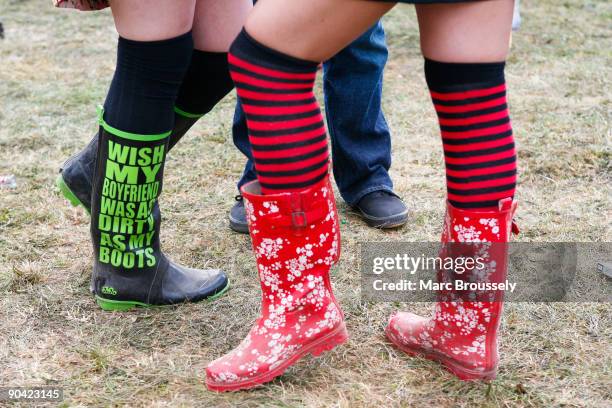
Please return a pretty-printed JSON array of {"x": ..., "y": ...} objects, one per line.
[
  {"x": 146, "y": 84},
  {"x": 206, "y": 82}
]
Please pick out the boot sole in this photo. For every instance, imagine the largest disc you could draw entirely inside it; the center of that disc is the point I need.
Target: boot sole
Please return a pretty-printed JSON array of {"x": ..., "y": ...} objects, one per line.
[
  {"x": 68, "y": 194},
  {"x": 239, "y": 227},
  {"x": 325, "y": 343},
  {"x": 462, "y": 372},
  {"x": 109, "y": 305}
]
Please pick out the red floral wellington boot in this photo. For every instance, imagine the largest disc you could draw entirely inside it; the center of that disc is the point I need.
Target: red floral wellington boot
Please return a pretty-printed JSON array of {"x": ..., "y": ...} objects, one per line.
[
  {"x": 296, "y": 239},
  {"x": 462, "y": 334}
]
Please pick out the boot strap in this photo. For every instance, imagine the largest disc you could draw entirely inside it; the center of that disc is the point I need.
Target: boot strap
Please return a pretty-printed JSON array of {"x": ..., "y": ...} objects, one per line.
[{"x": 298, "y": 218}]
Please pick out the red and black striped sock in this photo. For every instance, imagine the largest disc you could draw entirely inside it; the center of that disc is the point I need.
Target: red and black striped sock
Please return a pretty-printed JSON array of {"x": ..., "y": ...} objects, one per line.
[
  {"x": 286, "y": 128},
  {"x": 479, "y": 153}
]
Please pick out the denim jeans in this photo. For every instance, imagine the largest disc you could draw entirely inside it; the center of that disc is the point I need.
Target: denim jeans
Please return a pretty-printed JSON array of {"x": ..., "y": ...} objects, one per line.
[{"x": 361, "y": 143}]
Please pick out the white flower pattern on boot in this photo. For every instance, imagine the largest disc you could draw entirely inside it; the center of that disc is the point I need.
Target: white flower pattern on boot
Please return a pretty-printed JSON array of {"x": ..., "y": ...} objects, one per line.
[
  {"x": 463, "y": 333},
  {"x": 298, "y": 308}
]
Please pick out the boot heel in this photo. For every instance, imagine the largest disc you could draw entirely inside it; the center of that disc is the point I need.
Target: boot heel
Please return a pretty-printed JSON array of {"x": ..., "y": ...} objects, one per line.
[
  {"x": 68, "y": 194},
  {"x": 467, "y": 374},
  {"x": 338, "y": 337}
]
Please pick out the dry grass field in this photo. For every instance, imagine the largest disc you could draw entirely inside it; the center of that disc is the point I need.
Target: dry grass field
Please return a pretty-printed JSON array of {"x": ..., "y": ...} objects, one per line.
[{"x": 55, "y": 67}]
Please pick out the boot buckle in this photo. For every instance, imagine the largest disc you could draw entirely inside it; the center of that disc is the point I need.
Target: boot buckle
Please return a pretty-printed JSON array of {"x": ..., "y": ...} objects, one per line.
[
  {"x": 515, "y": 228},
  {"x": 298, "y": 219}
]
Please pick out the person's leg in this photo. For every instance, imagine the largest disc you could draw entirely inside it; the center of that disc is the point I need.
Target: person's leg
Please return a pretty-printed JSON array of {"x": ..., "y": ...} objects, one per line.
[
  {"x": 154, "y": 20},
  {"x": 154, "y": 52},
  {"x": 206, "y": 82},
  {"x": 466, "y": 80},
  {"x": 142, "y": 74},
  {"x": 291, "y": 210},
  {"x": 352, "y": 84},
  {"x": 361, "y": 149},
  {"x": 465, "y": 46},
  {"x": 315, "y": 30},
  {"x": 240, "y": 137}
]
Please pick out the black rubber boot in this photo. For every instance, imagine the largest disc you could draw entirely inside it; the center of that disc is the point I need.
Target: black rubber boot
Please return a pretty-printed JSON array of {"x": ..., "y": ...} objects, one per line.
[
  {"x": 76, "y": 174},
  {"x": 130, "y": 269}
]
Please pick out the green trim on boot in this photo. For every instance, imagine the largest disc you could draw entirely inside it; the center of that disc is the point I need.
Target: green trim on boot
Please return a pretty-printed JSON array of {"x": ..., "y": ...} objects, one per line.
[
  {"x": 187, "y": 114},
  {"x": 128, "y": 135},
  {"x": 78, "y": 170},
  {"x": 109, "y": 305},
  {"x": 68, "y": 194}
]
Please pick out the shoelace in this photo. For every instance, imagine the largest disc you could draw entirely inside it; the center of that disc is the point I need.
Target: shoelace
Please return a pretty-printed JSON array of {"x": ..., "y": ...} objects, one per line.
[{"x": 380, "y": 193}]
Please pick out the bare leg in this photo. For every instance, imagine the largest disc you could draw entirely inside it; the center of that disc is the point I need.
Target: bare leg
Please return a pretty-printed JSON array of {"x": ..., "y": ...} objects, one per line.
[
  {"x": 152, "y": 20},
  {"x": 466, "y": 32},
  {"x": 312, "y": 30},
  {"x": 218, "y": 22}
]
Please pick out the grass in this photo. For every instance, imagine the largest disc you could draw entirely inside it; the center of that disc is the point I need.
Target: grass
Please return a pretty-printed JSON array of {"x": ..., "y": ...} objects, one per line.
[{"x": 55, "y": 67}]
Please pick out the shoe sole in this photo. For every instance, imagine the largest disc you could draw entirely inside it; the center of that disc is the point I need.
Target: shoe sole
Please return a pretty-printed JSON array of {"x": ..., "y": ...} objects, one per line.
[
  {"x": 109, "y": 305},
  {"x": 394, "y": 221},
  {"x": 68, "y": 194},
  {"x": 239, "y": 227},
  {"x": 322, "y": 345},
  {"x": 459, "y": 370}
]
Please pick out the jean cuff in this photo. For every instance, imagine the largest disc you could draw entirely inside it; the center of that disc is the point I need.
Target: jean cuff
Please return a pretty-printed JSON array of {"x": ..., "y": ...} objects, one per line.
[
  {"x": 245, "y": 178},
  {"x": 351, "y": 198}
]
